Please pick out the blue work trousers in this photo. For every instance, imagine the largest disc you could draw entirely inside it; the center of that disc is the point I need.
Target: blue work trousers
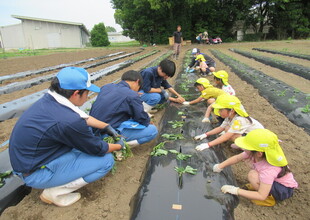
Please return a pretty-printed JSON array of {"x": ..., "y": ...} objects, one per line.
[
  {"x": 153, "y": 99},
  {"x": 68, "y": 167},
  {"x": 141, "y": 135}
]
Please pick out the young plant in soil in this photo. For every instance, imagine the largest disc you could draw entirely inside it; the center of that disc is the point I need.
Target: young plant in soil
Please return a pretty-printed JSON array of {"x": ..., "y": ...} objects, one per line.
[
  {"x": 180, "y": 156},
  {"x": 182, "y": 170},
  {"x": 160, "y": 106},
  {"x": 173, "y": 136},
  {"x": 292, "y": 100},
  {"x": 306, "y": 109},
  {"x": 176, "y": 124},
  {"x": 125, "y": 153},
  {"x": 4, "y": 175},
  {"x": 159, "y": 150}
]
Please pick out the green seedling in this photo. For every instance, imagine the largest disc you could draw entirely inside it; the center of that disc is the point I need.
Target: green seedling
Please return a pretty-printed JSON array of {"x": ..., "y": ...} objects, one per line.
[
  {"x": 126, "y": 152},
  {"x": 173, "y": 136},
  {"x": 159, "y": 150},
  {"x": 180, "y": 156},
  {"x": 3, "y": 176},
  {"x": 160, "y": 106},
  {"x": 306, "y": 109},
  {"x": 187, "y": 169},
  {"x": 282, "y": 93},
  {"x": 176, "y": 124},
  {"x": 181, "y": 113},
  {"x": 292, "y": 100}
]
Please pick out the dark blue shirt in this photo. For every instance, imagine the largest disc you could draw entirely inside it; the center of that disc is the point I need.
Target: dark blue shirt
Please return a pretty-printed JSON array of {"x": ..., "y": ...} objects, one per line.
[
  {"x": 151, "y": 79},
  {"x": 117, "y": 103},
  {"x": 48, "y": 130}
]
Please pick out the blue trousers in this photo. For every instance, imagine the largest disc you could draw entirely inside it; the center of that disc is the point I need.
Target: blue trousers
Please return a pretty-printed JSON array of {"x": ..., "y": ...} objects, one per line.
[
  {"x": 141, "y": 135},
  {"x": 68, "y": 167},
  {"x": 153, "y": 99}
]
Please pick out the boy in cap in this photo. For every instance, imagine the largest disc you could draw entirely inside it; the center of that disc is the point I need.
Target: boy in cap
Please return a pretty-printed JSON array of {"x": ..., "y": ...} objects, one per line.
[
  {"x": 270, "y": 178},
  {"x": 52, "y": 147}
]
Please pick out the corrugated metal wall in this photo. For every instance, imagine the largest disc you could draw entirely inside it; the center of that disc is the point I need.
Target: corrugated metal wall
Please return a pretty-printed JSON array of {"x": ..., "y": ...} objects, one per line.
[{"x": 31, "y": 34}]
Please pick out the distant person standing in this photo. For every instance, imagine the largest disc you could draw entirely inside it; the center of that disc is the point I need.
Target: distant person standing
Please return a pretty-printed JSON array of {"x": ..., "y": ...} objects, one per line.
[{"x": 178, "y": 39}]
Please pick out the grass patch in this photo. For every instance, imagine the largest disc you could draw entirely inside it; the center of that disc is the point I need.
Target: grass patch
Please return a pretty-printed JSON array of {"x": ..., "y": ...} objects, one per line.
[{"x": 125, "y": 44}]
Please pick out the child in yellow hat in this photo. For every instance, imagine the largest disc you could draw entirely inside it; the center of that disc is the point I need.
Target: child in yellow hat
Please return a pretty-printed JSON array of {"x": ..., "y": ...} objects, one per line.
[
  {"x": 221, "y": 81},
  {"x": 208, "y": 92},
  {"x": 202, "y": 65},
  {"x": 237, "y": 122},
  {"x": 270, "y": 178}
]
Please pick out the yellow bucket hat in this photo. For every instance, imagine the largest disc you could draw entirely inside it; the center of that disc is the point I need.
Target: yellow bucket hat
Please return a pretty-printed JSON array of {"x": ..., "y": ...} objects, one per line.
[
  {"x": 203, "y": 81},
  {"x": 200, "y": 57},
  {"x": 263, "y": 140},
  {"x": 230, "y": 102},
  {"x": 222, "y": 74}
]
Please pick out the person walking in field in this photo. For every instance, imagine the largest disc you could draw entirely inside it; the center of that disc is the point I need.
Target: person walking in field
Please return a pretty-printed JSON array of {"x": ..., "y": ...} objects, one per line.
[
  {"x": 178, "y": 40},
  {"x": 270, "y": 178},
  {"x": 52, "y": 146}
]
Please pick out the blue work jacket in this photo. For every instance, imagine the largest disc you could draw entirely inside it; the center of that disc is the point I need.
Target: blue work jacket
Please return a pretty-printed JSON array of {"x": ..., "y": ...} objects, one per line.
[{"x": 48, "y": 130}]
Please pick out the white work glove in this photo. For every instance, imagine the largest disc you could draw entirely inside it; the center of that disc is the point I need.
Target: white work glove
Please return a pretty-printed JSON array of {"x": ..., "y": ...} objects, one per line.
[
  {"x": 216, "y": 168},
  {"x": 200, "y": 137},
  {"x": 230, "y": 189},
  {"x": 206, "y": 120},
  {"x": 203, "y": 146},
  {"x": 185, "y": 103}
]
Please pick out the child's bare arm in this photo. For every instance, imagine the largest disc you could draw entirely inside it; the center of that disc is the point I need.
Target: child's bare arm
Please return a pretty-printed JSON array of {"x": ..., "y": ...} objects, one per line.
[
  {"x": 230, "y": 161},
  {"x": 199, "y": 99}
]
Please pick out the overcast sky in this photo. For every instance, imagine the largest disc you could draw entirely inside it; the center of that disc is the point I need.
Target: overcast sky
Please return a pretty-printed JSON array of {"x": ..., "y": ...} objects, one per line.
[{"x": 88, "y": 12}]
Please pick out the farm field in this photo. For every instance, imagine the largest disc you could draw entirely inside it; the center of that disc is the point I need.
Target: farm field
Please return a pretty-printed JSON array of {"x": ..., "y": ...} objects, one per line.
[{"x": 110, "y": 197}]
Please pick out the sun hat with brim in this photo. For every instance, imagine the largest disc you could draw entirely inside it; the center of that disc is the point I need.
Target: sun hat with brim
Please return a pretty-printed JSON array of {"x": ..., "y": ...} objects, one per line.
[
  {"x": 230, "y": 102},
  {"x": 75, "y": 78},
  {"x": 222, "y": 74},
  {"x": 264, "y": 140},
  {"x": 200, "y": 57},
  {"x": 204, "y": 82}
]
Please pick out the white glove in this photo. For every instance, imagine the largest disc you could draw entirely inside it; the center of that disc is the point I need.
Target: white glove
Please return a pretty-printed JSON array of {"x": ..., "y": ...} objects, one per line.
[
  {"x": 206, "y": 120},
  {"x": 185, "y": 103},
  {"x": 203, "y": 146},
  {"x": 230, "y": 189},
  {"x": 216, "y": 168},
  {"x": 200, "y": 137}
]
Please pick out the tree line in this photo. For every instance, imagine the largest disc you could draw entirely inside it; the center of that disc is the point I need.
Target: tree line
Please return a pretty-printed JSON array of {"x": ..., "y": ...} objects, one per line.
[{"x": 153, "y": 21}]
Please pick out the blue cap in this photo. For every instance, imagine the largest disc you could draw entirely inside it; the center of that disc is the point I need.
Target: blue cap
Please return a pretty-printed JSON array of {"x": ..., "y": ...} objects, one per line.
[{"x": 75, "y": 78}]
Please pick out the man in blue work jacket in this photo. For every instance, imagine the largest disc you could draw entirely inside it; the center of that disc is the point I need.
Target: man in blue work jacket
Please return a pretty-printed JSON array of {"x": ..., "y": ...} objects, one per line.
[
  {"x": 52, "y": 147},
  {"x": 153, "y": 79},
  {"x": 121, "y": 106}
]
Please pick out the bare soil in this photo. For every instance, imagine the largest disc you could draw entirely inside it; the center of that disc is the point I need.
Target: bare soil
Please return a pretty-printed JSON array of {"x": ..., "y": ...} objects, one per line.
[{"x": 109, "y": 198}]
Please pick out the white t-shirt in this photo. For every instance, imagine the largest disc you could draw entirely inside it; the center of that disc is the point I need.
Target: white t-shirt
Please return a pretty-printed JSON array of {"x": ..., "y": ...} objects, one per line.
[
  {"x": 241, "y": 125},
  {"x": 228, "y": 89}
]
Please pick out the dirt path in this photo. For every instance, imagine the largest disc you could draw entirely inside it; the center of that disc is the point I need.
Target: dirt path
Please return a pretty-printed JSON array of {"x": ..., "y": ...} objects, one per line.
[
  {"x": 291, "y": 79},
  {"x": 109, "y": 197}
]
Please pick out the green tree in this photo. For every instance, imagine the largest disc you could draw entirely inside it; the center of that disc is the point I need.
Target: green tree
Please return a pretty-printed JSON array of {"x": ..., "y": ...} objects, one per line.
[
  {"x": 99, "y": 36},
  {"x": 110, "y": 29}
]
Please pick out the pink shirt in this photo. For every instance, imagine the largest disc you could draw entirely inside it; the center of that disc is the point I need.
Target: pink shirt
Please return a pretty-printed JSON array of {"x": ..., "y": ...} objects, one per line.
[{"x": 268, "y": 173}]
